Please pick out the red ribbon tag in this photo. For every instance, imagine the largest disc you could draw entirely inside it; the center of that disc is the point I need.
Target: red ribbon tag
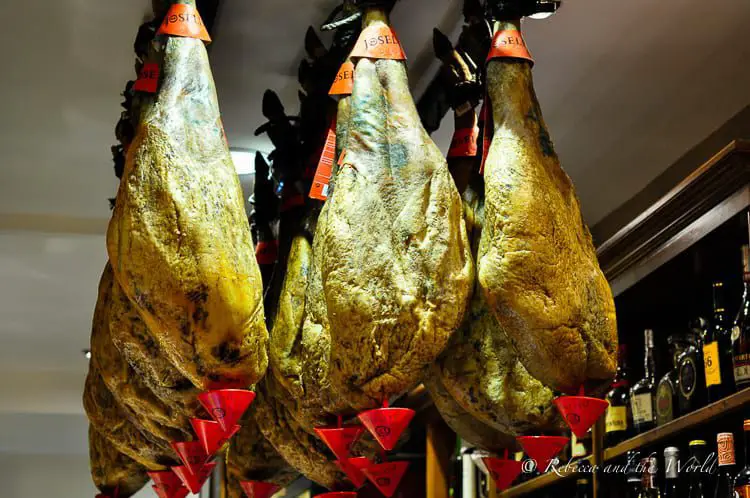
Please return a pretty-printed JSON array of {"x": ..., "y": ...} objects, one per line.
[
  {"x": 324, "y": 172},
  {"x": 509, "y": 43},
  {"x": 148, "y": 78},
  {"x": 464, "y": 143},
  {"x": 379, "y": 42}
]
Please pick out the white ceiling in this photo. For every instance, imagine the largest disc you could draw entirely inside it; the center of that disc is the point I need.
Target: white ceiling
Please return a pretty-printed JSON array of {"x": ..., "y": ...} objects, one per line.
[{"x": 626, "y": 87}]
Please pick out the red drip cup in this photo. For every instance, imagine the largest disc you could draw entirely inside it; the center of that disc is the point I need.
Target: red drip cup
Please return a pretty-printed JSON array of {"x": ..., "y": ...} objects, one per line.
[
  {"x": 340, "y": 439},
  {"x": 257, "y": 489},
  {"x": 387, "y": 424},
  {"x": 192, "y": 454},
  {"x": 386, "y": 476},
  {"x": 353, "y": 467},
  {"x": 166, "y": 480},
  {"x": 211, "y": 435},
  {"x": 581, "y": 412},
  {"x": 226, "y": 406},
  {"x": 542, "y": 449},
  {"x": 194, "y": 482},
  {"x": 503, "y": 471},
  {"x": 180, "y": 492},
  {"x": 338, "y": 494}
]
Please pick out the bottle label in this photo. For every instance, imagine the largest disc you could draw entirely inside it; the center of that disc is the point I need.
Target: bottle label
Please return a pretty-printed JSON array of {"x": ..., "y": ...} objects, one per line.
[
  {"x": 742, "y": 368},
  {"x": 711, "y": 362},
  {"x": 742, "y": 491},
  {"x": 725, "y": 449},
  {"x": 643, "y": 408},
  {"x": 664, "y": 399},
  {"x": 616, "y": 419},
  {"x": 687, "y": 377}
]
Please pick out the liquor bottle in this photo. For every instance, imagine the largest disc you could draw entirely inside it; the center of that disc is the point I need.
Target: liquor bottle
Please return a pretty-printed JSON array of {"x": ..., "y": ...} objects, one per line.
[
  {"x": 727, "y": 466},
  {"x": 667, "y": 392},
  {"x": 618, "y": 420},
  {"x": 742, "y": 481},
  {"x": 691, "y": 392},
  {"x": 634, "y": 486},
  {"x": 583, "y": 486},
  {"x": 741, "y": 330},
  {"x": 671, "y": 477},
  {"x": 642, "y": 393},
  {"x": 717, "y": 350},
  {"x": 649, "y": 487},
  {"x": 697, "y": 487}
]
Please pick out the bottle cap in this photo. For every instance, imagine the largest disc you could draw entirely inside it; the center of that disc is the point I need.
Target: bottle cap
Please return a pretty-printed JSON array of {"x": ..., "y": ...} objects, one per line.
[
  {"x": 725, "y": 448},
  {"x": 746, "y": 425},
  {"x": 671, "y": 451},
  {"x": 697, "y": 442}
]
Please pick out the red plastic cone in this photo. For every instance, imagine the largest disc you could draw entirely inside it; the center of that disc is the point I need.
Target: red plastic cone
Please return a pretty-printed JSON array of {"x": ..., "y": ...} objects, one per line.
[
  {"x": 353, "y": 467},
  {"x": 542, "y": 449},
  {"x": 340, "y": 439},
  {"x": 257, "y": 489},
  {"x": 192, "y": 454},
  {"x": 580, "y": 412},
  {"x": 226, "y": 406},
  {"x": 503, "y": 471},
  {"x": 166, "y": 483},
  {"x": 194, "y": 482},
  {"x": 386, "y": 476},
  {"x": 211, "y": 435},
  {"x": 180, "y": 492},
  {"x": 387, "y": 424},
  {"x": 338, "y": 494}
]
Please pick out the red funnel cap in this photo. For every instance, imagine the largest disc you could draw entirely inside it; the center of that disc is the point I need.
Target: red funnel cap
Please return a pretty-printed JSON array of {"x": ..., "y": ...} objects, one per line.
[
  {"x": 338, "y": 494},
  {"x": 580, "y": 412},
  {"x": 192, "y": 454},
  {"x": 503, "y": 471},
  {"x": 340, "y": 439},
  {"x": 387, "y": 424},
  {"x": 386, "y": 476},
  {"x": 211, "y": 435},
  {"x": 542, "y": 449},
  {"x": 226, "y": 406},
  {"x": 257, "y": 489},
  {"x": 353, "y": 467},
  {"x": 180, "y": 492},
  {"x": 194, "y": 482}
]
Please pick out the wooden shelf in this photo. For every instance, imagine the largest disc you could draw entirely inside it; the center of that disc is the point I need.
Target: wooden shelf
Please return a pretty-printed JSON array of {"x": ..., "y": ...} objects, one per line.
[
  {"x": 663, "y": 433},
  {"x": 689, "y": 421}
]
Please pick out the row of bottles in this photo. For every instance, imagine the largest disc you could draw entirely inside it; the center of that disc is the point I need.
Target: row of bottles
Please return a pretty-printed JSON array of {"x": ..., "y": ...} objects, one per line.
[
  {"x": 710, "y": 361},
  {"x": 708, "y": 474}
]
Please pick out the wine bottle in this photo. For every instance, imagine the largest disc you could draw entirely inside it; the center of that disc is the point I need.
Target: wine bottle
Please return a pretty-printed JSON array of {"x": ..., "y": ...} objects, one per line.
[
  {"x": 742, "y": 481},
  {"x": 649, "y": 487},
  {"x": 697, "y": 487},
  {"x": 667, "y": 391},
  {"x": 727, "y": 466},
  {"x": 618, "y": 419},
  {"x": 583, "y": 486},
  {"x": 741, "y": 330},
  {"x": 691, "y": 392},
  {"x": 634, "y": 481},
  {"x": 717, "y": 350},
  {"x": 671, "y": 476},
  {"x": 642, "y": 393}
]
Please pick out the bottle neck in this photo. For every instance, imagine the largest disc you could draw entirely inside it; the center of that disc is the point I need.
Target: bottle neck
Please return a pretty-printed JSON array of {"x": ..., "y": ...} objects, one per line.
[
  {"x": 670, "y": 467},
  {"x": 648, "y": 362}
]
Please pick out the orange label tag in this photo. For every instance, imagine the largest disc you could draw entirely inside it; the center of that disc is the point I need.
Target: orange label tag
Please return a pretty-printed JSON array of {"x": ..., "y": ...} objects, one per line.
[
  {"x": 148, "y": 78},
  {"x": 323, "y": 174},
  {"x": 464, "y": 143},
  {"x": 342, "y": 158},
  {"x": 344, "y": 82},
  {"x": 379, "y": 42},
  {"x": 509, "y": 43},
  {"x": 184, "y": 20},
  {"x": 267, "y": 252},
  {"x": 488, "y": 130}
]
